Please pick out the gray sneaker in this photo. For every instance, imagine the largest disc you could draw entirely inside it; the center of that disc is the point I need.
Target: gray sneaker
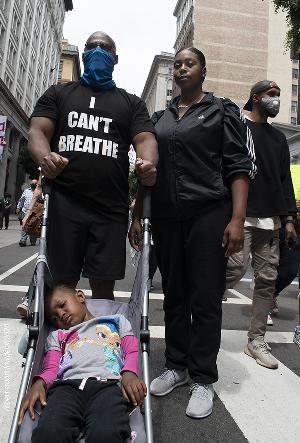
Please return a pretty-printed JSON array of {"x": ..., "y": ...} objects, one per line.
[
  {"x": 201, "y": 401},
  {"x": 167, "y": 381},
  {"x": 260, "y": 351},
  {"x": 23, "y": 309}
]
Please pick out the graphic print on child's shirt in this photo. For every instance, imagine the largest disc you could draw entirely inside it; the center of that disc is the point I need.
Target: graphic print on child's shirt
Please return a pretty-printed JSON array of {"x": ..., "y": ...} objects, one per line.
[{"x": 94, "y": 348}]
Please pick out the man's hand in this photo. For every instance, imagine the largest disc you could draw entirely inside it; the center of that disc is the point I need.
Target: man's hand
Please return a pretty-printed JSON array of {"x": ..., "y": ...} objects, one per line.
[
  {"x": 18, "y": 210},
  {"x": 135, "y": 234},
  {"x": 53, "y": 164},
  {"x": 133, "y": 388},
  {"x": 36, "y": 393},
  {"x": 146, "y": 172},
  {"x": 233, "y": 239}
]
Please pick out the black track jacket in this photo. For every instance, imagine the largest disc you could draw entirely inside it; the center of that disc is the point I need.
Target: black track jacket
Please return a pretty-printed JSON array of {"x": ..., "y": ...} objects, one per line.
[{"x": 198, "y": 154}]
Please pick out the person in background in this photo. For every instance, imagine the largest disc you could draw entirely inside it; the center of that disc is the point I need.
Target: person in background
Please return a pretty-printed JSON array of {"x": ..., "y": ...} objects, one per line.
[
  {"x": 198, "y": 209},
  {"x": 22, "y": 209},
  {"x": 289, "y": 263},
  {"x": 5, "y": 210},
  {"x": 270, "y": 200},
  {"x": 22, "y": 308}
]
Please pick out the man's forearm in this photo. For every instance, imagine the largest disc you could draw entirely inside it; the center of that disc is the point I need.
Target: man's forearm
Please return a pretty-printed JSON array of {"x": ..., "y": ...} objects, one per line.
[
  {"x": 38, "y": 145},
  {"x": 239, "y": 192},
  {"x": 146, "y": 148}
]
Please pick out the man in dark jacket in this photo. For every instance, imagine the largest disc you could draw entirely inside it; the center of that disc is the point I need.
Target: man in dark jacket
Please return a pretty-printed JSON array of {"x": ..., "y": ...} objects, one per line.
[{"x": 271, "y": 202}]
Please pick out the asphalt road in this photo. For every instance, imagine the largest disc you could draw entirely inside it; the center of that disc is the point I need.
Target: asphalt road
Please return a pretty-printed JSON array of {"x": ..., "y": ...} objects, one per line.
[{"x": 252, "y": 403}]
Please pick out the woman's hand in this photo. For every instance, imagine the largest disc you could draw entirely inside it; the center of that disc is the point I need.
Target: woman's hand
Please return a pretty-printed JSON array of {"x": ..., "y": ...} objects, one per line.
[
  {"x": 133, "y": 388},
  {"x": 233, "y": 239},
  {"x": 36, "y": 393},
  {"x": 135, "y": 234},
  {"x": 290, "y": 235}
]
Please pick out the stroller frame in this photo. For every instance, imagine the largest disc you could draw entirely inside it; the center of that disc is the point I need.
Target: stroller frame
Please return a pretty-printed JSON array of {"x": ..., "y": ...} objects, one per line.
[{"x": 37, "y": 316}]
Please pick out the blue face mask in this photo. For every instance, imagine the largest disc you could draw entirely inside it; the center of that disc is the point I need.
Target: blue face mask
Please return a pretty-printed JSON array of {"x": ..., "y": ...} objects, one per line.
[{"x": 98, "y": 69}]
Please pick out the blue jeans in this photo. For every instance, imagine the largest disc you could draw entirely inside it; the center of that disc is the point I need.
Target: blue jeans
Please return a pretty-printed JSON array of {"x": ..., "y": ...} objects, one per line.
[
  {"x": 288, "y": 264},
  {"x": 25, "y": 236}
]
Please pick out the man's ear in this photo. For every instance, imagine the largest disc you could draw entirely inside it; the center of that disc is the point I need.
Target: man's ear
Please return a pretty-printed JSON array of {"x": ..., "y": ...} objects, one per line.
[
  {"x": 80, "y": 295},
  {"x": 116, "y": 59},
  {"x": 255, "y": 98}
]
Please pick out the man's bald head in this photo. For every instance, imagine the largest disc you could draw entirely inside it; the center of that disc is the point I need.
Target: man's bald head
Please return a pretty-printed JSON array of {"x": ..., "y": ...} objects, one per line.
[{"x": 102, "y": 40}]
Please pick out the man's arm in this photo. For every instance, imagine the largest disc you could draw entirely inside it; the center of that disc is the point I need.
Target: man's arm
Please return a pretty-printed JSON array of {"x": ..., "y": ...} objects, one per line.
[
  {"x": 145, "y": 146},
  {"x": 41, "y": 131}
]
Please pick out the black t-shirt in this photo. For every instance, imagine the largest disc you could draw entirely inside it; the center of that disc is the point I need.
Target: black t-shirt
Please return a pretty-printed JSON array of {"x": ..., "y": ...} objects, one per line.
[
  {"x": 271, "y": 193},
  {"x": 94, "y": 130}
]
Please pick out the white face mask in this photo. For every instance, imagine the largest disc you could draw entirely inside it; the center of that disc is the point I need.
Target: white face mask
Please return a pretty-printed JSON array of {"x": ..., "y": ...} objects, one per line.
[{"x": 271, "y": 105}]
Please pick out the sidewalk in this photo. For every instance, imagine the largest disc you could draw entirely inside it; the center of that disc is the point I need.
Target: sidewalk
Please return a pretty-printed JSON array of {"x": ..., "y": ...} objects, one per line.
[{"x": 12, "y": 234}]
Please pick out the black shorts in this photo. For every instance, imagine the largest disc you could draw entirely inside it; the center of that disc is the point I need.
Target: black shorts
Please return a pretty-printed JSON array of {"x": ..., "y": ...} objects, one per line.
[{"x": 81, "y": 240}]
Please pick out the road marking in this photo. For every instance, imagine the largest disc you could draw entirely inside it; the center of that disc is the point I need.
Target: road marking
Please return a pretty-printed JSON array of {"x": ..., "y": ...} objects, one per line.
[
  {"x": 18, "y": 266},
  {"x": 264, "y": 403},
  {"x": 249, "y": 280},
  {"x": 241, "y": 300},
  {"x": 229, "y": 334}
]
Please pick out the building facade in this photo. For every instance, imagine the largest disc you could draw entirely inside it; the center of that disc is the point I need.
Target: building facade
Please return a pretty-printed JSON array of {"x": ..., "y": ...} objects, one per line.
[
  {"x": 69, "y": 64},
  {"x": 158, "y": 88},
  {"x": 30, "y": 36},
  {"x": 243, "y": 42}
]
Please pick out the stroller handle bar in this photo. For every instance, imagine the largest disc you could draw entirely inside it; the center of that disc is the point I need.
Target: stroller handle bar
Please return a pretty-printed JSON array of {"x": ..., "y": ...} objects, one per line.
[{"x": 147, "y": 202}]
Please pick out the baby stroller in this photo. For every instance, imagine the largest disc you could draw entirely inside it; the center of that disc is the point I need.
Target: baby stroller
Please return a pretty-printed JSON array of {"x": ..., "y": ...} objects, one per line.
[{"x": 136, "y": 311}]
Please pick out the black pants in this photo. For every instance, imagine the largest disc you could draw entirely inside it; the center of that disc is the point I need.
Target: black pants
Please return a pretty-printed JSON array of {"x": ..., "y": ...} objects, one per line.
[
  {"x": 192, "y": 264},
  {"x": 4, "y": 215},
  {"x": 99, "y": 409}
]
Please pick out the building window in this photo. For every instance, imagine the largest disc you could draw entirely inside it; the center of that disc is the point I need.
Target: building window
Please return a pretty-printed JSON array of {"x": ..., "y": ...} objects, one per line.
[
  {"x": 294, "y": 106},
  {"x": 8, "y": 81},
  {"x": 294, "y": 89},
  {"x": 295, "y": 73},
  {"x": 293, "y": 121},
  {"x": 16, "y": 23},
  {"x": 169, "y": 92},
  {"x": 21, "y": 73},
  {"x": 11, "y": 56}
]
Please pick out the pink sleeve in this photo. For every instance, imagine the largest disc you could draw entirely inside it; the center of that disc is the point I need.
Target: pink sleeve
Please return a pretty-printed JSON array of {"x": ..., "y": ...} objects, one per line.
[
  {"x": 50, "y": 368},
  {"x": 130, "y": 348}
]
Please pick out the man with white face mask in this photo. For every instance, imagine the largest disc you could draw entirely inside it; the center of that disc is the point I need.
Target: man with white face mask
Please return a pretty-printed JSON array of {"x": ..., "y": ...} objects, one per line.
[{"x": 271, "y": 202}]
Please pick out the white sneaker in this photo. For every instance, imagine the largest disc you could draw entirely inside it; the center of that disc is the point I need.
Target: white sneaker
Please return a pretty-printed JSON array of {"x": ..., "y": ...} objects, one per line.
[
  {"x": 269, "y": 320},
  {"x": 201, "y": 401},
  {"x": 260, "y": 351},
  {"x": 167, "y": 381}
]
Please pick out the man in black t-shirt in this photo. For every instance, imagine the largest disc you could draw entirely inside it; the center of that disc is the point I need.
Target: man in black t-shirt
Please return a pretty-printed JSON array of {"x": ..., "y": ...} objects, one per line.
[
  {"x": 80, "y": 133},
  {"x": 271, "y": 201}
]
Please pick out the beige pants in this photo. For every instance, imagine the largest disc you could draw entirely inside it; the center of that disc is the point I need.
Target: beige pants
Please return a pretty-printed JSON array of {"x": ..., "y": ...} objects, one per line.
[{"x": 263, "y": 245}]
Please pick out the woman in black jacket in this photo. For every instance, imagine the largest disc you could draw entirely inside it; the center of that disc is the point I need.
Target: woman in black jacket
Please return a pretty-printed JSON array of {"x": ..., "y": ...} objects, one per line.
[{"x": 199, "y": 202}]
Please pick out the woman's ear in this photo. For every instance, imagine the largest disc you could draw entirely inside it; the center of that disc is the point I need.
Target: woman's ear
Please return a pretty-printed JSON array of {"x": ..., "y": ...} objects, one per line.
[{"x": 204, "y": 72}]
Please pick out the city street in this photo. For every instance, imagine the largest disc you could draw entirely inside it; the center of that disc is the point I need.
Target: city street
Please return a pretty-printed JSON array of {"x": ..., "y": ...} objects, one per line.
[{"x": 252, "y": 403}]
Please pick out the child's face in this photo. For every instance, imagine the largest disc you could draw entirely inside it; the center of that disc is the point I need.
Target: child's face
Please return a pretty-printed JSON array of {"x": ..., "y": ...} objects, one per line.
[{"x": 65, "y": 308}]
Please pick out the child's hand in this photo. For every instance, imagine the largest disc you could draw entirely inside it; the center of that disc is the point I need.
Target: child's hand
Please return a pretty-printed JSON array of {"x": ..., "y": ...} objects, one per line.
[
  {"x": 36, "y": 393},
  {"x": 133, "y": 388}
]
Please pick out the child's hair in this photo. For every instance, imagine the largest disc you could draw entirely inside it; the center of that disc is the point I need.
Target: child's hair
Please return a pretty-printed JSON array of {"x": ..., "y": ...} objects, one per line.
[{"x": 63, "y": 287}]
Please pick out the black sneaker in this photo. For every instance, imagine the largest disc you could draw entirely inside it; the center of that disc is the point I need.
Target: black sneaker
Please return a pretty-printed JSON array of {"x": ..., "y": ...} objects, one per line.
[{"x": 22, "y": 244}]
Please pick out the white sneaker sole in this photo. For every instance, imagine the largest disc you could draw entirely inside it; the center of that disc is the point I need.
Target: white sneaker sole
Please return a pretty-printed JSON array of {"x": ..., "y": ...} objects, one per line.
[
  {"x": 176, "y": 385},
  {"x": 258, "y": 361},
  {"x": 200, "y": 416}
]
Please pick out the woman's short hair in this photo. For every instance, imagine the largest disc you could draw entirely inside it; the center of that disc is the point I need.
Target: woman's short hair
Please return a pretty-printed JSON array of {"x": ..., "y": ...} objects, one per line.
[{"x": 199, "y": 54}]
